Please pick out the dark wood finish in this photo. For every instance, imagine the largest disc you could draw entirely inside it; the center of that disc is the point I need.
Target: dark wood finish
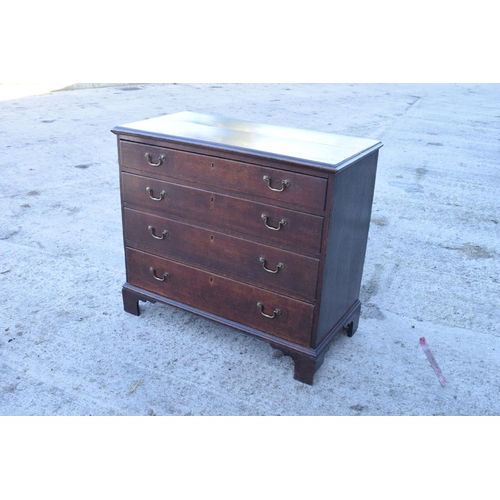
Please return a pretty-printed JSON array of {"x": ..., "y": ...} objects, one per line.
[
  {"x": 347, "y": 238},
  {"x": 302, "y": 231},
  {"x": 227, "y": 255},
  {"x": 131, "y": 300},
  {"x": 211, "y": 171},
  {"x": 221, "y": 296},
  {"x": 248, "y": 141},
  {"x": 244, "y": 178}
]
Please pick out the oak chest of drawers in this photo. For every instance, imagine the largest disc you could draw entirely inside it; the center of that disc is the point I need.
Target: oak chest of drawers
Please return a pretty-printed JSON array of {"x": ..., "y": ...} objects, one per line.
[{"x": 259, "y": 227}]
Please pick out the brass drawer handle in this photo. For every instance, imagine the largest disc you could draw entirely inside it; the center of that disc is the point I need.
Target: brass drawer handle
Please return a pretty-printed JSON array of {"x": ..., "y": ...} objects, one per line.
[
  {"x": 278, "y": 267},
  {"x": 284, "y": 184},
  {"x": 276, "y": 312},
  {"x": 162, "y": 194},
  {"x": 149, "y": 158},
  {"x": 282, "y": 222},
  {"x": 153, "y": 272},
  {"x": 152, "y": 231}
]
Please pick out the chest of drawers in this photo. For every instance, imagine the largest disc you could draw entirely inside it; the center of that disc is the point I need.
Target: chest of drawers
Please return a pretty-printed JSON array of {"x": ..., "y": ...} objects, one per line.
[{"x": 259, "y": 227}]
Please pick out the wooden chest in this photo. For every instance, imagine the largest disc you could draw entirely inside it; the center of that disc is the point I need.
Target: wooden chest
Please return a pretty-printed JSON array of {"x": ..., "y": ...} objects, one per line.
[{"x": 259, "y": 227}]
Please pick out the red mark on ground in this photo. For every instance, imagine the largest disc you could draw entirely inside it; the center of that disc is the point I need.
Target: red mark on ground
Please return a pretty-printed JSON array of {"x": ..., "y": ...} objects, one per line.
[{"x": 432, "y": 361}]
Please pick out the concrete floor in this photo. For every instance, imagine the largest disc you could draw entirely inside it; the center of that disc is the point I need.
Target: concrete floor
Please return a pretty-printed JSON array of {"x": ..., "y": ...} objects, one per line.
[{"x": 432, "y": 268}]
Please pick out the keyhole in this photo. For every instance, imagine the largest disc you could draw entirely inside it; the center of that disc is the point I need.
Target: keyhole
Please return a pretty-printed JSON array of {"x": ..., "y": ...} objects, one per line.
[
  {"x": 211, "y": 280},
  {"x": 213, "y": 165},
  {"x": 212, "y": 199},
  {"x": 211, "y": 237}
]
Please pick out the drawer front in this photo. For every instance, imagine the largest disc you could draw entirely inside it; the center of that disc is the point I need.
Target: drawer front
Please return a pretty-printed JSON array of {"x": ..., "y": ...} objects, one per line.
[
  {"x": 294, "y": 188},
  {"x": 275, "y": 224},
  {"x": 221, "y": 296},
  {"x": 264, "y": 266}
]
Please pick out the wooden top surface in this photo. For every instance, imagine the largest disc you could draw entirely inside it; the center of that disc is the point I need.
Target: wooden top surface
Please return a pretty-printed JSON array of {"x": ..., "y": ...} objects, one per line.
[{"x": 324, "y": 150}]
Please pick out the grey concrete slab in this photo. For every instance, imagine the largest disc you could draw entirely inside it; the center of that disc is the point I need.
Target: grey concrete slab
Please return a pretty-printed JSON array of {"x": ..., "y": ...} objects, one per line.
[{"x": 432, "y": 265}]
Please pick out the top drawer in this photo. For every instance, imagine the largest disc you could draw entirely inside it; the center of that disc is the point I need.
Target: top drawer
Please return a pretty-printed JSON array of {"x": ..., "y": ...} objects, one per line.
[{"x": 277, "y": 185}]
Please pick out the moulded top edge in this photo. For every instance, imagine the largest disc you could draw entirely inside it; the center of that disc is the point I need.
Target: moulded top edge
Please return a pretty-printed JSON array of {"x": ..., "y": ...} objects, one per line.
[{"x": 318, "y": 148}]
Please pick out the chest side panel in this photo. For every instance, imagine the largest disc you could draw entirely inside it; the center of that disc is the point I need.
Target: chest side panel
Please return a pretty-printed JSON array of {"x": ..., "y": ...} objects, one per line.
[{"x": 347, "y": 238}]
